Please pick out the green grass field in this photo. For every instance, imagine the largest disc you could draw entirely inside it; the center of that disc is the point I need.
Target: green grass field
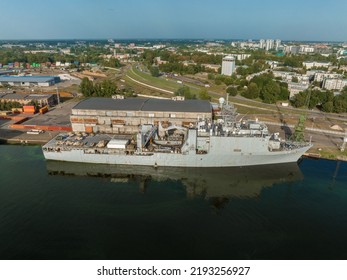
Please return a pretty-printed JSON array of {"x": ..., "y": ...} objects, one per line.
[{"x": 160, "y": 82}]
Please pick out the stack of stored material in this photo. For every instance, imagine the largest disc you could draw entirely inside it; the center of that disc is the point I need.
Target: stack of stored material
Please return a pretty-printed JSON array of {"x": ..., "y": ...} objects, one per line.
[
  {"x": 29, "y": 109},
  {"x": 43, "y": 110}
]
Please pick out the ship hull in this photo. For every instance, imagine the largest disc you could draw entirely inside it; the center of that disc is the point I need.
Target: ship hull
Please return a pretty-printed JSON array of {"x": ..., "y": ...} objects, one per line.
[
  {"x": 222, "y": 152},
  {"x": 180, "y": 160}
]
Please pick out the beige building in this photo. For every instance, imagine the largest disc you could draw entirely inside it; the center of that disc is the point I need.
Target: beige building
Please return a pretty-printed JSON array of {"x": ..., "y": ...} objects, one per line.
[
  {"x": 123, "y": 116},
  {"x": 334, "y": 84},
  {"x": 295, "y": 88},
  {"x": 24, "y": 99},
  {"x": 312, "y": 64}
]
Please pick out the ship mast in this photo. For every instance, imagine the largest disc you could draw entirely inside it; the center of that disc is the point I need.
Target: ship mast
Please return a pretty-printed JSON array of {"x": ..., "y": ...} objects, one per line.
[{"x": 228, "y": 112}]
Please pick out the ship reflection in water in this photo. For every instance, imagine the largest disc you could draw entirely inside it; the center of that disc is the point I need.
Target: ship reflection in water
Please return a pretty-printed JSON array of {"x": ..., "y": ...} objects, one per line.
[{"x": 218, "y": 184}]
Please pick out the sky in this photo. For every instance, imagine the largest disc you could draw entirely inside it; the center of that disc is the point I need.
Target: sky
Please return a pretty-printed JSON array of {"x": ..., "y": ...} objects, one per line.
[{"x": 308, "y": 20}]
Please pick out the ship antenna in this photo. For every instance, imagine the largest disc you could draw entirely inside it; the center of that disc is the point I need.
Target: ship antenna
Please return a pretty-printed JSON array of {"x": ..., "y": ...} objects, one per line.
[
  {"x": 221, "y": 102},
  {"x": 243, "y": 116}
]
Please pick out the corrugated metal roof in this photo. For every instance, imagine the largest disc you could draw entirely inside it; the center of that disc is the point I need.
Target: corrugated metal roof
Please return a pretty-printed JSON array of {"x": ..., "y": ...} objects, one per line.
[
  {"x": 100, "y": 103},
  {"x": 15, "y": 96},
  {"x": 5, "y": 72},
  {"x": 27, "y": 79},
  {"x": 144, "y": 104},
  {"x": 18, "y": 96},
  {"x": 167, "y": 105}
]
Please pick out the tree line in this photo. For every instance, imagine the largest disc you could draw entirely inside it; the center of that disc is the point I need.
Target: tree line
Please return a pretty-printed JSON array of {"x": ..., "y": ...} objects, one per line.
[
  {"x": 8, "y": 105},
  {"x": 105, "y": 88},
  {"x": 263, "y": 87},
  {"x": 186, "y": 93},
  {"x": 324, "y": 100},
  {"x": 82, "y": 55}
]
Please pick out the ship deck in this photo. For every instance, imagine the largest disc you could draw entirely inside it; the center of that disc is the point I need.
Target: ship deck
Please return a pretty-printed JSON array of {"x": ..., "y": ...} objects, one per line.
[{"x": 82, "y": 140}]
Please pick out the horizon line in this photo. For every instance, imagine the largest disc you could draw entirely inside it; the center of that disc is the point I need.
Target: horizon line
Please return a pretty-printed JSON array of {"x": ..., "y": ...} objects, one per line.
[{"x": 170, "y": 39}]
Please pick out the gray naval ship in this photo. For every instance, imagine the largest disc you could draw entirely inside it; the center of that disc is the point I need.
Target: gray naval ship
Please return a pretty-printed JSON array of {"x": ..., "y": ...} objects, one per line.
[{"x": 222, "y": 142}]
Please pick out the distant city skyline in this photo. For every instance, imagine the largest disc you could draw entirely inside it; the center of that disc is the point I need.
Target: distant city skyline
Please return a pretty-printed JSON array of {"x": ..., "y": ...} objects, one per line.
[{"x": 209, "y": 19}]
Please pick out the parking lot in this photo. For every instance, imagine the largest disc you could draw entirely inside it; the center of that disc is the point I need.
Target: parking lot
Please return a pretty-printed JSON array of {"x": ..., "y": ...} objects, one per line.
[{"x": 57, "y": 116}]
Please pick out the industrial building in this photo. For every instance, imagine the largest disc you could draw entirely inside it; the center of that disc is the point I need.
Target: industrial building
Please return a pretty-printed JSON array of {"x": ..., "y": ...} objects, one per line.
[
  {"x": 228, "y": 65},
  {"x": 26, "y": 81},
  {"x": 123, "y": 116},
  {"x": 24, "y": 99},
  {"x": 5, "y": 72}
]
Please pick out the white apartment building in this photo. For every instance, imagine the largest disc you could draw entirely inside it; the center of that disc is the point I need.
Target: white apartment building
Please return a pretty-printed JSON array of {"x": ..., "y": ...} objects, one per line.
[
  {"x": 262, "y": 44},
  {"x": 287, "y": 77},
  {"x": 295, "y": 88},
  {"x": 320, "y": 76},
  {"x": 332, "y": 84},
  {"x": 228, "y": 65},
  {"x": 269, "y": 44},
  {"x": 240, "y": 56},
  {"x": 277, "y": 44},
  {"x": 312, "y": 64},
  {"x": 307, "y": 49},
  {"x": 273, "y": 64},
  {"x": 292, "y": 49}
]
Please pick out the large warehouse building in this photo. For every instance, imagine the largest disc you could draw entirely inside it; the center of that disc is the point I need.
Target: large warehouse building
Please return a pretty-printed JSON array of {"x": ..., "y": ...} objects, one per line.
[
  {"x": 125, "y": 115},
  {"x": 26, "y": 81},
  {"x": 24, "y": 99}
]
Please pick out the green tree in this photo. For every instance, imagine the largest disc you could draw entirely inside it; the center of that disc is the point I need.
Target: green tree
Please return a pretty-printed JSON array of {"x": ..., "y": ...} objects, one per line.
[
  {"x": 112, "y": 62},
  {"x": 203, "y": 94},
  {"x": 284, "y": 92},
  {"x": 87, "y": 87},
  {"x": 185, "y": 91},
  {"x": 217, "y": 82},
  {"x": 97, "y": 90},
  {"x": 299, "y": 99},
  {"x": 328, "y": 107},
  {"x": 340, "y": 103},
  {"x": 232, "y": 91},
  {"x": 210, "y": 76},
  {"x": 33, "y": 103},
  {"x": 270, "y": 92},
  {"x": 261, "y": 80},
  {"x": 252, "y": 91},
  {"x": 105, "y": 88},
  {"x": 108, "y": 88},
  {"x": 228, "y": 81},
  {"x": 243, "y": 71},
  {"x": 154, "y": 71},
  {"x": 295, "y": 79},
  {"x": 293, "y": 61}
]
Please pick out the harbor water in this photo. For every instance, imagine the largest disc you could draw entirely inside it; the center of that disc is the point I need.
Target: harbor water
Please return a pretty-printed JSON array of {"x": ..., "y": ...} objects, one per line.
[{"x": 55, "y": 210}]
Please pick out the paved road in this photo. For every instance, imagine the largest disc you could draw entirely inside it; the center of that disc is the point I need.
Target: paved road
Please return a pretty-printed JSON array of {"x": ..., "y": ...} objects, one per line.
[
  {"x": 149, "y": 86},
  {"x": 310, "y": 113}
]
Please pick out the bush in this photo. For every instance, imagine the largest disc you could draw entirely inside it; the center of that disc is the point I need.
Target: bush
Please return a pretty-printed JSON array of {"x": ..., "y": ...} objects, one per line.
[{"x": 232, "y": 91}]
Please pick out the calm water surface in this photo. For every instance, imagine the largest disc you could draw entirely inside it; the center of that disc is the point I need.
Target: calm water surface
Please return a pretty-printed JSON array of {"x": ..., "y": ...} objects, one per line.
[{"x": 51, "y": 210}]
